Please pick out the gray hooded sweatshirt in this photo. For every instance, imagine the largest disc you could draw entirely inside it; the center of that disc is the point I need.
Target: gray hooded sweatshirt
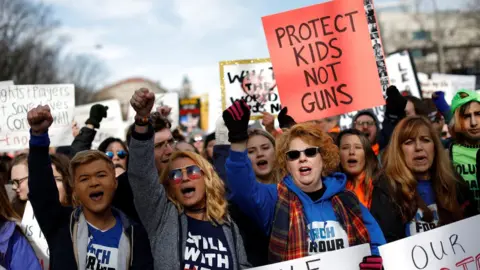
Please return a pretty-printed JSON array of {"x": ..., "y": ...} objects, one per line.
[{"x": 161, "y": 219}]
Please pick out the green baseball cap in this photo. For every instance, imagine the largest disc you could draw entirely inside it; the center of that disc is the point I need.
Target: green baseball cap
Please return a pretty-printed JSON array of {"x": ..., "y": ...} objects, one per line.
[{"x": 463, "y": 97}]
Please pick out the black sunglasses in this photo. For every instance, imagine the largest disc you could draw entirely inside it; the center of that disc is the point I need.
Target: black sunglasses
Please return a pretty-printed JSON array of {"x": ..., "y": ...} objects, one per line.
[
  {"x": 121, "y": 154},
  {"x": 309, "y": 152}
]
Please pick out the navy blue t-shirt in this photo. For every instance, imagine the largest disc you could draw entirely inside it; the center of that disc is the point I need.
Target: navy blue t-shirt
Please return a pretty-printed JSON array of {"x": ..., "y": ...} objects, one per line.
[
  {"x": 417, "y": 225},
  {"x": 102, "y": 248},
  {"x": 206, "y": 247}
]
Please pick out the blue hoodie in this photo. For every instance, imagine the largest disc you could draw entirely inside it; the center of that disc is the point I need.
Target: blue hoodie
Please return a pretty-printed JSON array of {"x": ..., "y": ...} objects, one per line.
[
  {"x": 15, "y": 251},
  {"x": 259, "y": 201}
]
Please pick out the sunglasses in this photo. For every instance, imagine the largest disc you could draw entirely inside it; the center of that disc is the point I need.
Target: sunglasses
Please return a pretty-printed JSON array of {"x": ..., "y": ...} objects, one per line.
[
  {"x": 120, "y": 154},
  {"x": 193, "y": 173},
  {"x": 309, "y": 152}
]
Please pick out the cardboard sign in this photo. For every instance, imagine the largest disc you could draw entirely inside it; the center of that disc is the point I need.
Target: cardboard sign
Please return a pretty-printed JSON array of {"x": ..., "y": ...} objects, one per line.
[
  {"x": 166, "y": 99},
  {"x": 109, "y": 127},
  {"x": 35, "y": 236},
  {"x": 320, "y": 72},
  {"x": 458, "y": 81},
  {"x": 17, "y": 100},
  {"x": 190, "y": 114},
  {"x": 401, "y": 71},
  {"x": 455, "y": 246},
  {"x": 253, "y": 81},
  {"x": 348, "y": 258}
]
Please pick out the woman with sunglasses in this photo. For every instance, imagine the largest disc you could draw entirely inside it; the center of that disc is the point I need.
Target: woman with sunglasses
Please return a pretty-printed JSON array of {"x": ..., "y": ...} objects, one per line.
[
  {"x": 359, "y": 162},
  {"x": 117, "y": 151},
  {"x": 420, "y": 190},
  {"x": 309, "y": 211},
  {"x": 15, "y": 250},
  {"x": 186, "y": 218}
]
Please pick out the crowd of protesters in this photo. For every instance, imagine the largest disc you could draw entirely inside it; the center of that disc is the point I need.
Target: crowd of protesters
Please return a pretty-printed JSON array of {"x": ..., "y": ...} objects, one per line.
[{"x": 241, "y": 197}]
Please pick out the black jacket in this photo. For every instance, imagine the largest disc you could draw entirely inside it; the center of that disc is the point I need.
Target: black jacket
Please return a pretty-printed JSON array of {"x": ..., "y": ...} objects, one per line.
[
  {"x": 254, "y": 239},
  {"x": 387, "y": 212},
  {"x": 56, "y": 221},
  {"x": 83, "y": 141}
]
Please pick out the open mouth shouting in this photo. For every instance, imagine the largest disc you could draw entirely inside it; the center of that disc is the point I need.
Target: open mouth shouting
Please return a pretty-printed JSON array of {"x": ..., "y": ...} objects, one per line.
[
  {"x": 352, "y": 162},
  {"x": 304, "y": 170},
  {"x": 188, "y": 192},
  {"x": 420, "y": 160},
  {"x": 262, "y": 164},
  {"x": 96, "y": 196}
]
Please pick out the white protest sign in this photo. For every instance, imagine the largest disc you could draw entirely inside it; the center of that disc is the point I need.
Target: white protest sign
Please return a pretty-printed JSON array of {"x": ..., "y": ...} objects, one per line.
[
  {"x": 454, "y": 246},
  {"x": 347, "y": 118},
  {"x": 431, "y": 86},
  {"x": 259, "y": 91},
  {"x": 347, "y": 258},
  {"x": 112, "y": 126},
  {"x": 467, "y": 82},
  {"x": 35, "y": 236},
  {"x": 401, "y": 71},
  {"x": 17, "y": 100},
  {"x": 4, "y": 83},
  {"x": 167, "y": 99}
]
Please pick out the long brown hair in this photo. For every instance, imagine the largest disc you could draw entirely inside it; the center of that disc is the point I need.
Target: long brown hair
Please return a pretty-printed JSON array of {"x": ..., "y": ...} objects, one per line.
[
  {"x": 6, "y": 209},
  {"x": 371, "y": 162},
  {"x": 402, "y": 182},
  {"x": 62, "y": 164}
]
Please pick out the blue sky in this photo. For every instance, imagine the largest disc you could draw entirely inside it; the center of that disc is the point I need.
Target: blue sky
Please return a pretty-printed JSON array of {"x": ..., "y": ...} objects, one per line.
[{"x": 164, "y": 40}]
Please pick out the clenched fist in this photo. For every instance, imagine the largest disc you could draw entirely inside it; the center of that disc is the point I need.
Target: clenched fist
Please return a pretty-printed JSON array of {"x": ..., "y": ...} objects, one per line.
[
  {"x": 40, "y": 119},
  {"x": 142, "y": 102}
]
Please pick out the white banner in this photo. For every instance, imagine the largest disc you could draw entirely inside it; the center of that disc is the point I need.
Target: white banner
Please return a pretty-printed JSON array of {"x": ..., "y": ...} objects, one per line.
[
  {"x": 166, "y": 99},
  {"x": 259, "y": 91},
  {"x": 17, "y": 100},
  {"x": 402, "y": 73},
  {"x": 35, "y": 236},
  {"x": 348, "y": 258},
  {"x": 431, "y": 86},
  {"x": 112, "y": 126},
  {"x": 6, "y": 83},
  {"x": 455, "y": 246},
  {"x": 458, "y": 81}
]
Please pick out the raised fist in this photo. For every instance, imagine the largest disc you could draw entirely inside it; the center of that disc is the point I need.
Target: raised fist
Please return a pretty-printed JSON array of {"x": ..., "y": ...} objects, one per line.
[
  {"x": 40, "y": 119},
  {"x": 164, "y": 111},
  {"x": 142, "y": 102}
]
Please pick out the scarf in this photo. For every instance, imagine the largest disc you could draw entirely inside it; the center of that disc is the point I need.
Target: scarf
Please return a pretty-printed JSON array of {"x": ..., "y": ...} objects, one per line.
[
  {"x": 376, "y": 149},
  {"x": 288, "y": 238},
  {"x": 360, "y": 190}
]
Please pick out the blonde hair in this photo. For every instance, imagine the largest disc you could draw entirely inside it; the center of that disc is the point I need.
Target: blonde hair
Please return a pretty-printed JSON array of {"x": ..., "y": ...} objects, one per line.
[
  {"x": 403, "y": 183},
  {"x": 216, "y": 203},
  {"x": 312, "y": 134},
  {"x": 85, "y": 157}
]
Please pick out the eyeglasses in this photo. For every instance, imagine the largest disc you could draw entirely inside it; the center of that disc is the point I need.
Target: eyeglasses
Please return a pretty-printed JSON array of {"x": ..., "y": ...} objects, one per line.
[
  {"x": 171, "y": 142},
  {"x": 193, "y": 173},
  {"x": 120, "y": 154},
  {"x": 363, "y": 123},
  {"x": 16, "y": 182},
  {"x": 309, "y": 152}
]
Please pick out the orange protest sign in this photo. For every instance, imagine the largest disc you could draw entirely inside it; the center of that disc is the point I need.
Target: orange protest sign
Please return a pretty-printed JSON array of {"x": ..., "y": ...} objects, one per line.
[{"x": 323, "y": 59}]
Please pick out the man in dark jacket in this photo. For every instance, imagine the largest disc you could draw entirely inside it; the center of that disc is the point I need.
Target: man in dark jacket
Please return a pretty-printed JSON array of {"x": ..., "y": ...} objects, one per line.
[
  {"x": 367, "y": 122},
  {"x": 94, "y": 236}
]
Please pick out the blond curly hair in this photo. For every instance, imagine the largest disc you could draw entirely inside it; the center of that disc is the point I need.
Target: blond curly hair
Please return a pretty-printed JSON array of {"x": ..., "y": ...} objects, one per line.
[{"x": 216, "y": 204}]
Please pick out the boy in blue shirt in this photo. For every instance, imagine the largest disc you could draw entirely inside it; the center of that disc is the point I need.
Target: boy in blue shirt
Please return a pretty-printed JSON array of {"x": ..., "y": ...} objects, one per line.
[{"x": 94, "y": 235}]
